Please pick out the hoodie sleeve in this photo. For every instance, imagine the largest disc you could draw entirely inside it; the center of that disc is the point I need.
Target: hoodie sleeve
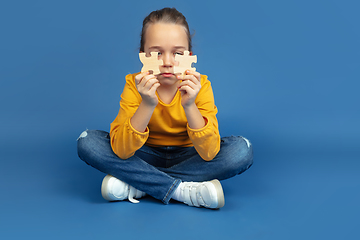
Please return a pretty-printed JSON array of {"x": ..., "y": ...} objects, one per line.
[
  {"x": 207, "y": 139},
  {"x": 124, "y": 139}
]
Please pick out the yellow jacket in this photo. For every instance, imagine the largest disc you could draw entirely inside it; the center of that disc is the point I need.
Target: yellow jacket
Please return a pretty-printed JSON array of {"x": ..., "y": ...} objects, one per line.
[{"x": 168, "y": 124}]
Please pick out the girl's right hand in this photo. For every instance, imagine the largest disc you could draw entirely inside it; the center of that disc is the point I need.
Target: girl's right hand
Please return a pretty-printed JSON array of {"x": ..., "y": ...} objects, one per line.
[{"x": 147, "y": 84}]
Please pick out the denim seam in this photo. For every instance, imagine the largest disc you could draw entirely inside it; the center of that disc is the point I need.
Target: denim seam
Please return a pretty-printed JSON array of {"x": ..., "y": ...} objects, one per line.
[{"x": 167, "y": 197}]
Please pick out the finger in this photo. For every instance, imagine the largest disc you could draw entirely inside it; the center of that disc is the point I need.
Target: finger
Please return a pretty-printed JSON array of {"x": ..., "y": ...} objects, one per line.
[
  {"x": 182, "y": 92},
  {"x": 145, "y": 79},
  {"x": 189, "y": 83},
  {"x": 185, "y": 89},
  {"x": 192, "y": 78},
  {"x": 154, "y": 87},
  {"x": 193, "y": 83},
  {"x": 150, "y": 83},
  {"x": 140, "y": 76},
  {"x": 194, "y": 73},
  {"x": 180, "y": 76}
]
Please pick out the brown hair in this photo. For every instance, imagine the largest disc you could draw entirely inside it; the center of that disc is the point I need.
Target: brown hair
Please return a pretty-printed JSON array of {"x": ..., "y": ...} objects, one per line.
[{"x": 166, "y": 15}]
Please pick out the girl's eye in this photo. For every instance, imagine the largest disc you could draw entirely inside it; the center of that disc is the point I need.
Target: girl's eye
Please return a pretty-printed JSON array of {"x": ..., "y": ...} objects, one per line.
[{"x": 179, "y": 53}]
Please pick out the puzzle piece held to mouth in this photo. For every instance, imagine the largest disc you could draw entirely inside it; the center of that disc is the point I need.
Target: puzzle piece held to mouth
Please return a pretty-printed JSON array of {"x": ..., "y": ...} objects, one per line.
[
  {"x": 185, "y": 62},
  {"x": 150, "y": 63}
]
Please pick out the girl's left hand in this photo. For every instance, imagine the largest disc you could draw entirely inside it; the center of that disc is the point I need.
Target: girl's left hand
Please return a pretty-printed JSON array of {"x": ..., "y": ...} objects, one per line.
[{"x": 189, "y": 87}]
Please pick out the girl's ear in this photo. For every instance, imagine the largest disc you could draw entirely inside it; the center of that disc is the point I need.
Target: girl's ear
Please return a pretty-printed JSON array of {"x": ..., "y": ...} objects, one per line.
[{"x": 191, "y": 53}]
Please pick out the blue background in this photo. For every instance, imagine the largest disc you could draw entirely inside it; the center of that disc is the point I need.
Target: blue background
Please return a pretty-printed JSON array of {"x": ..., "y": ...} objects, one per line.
[{"x": 285, "y": 75}]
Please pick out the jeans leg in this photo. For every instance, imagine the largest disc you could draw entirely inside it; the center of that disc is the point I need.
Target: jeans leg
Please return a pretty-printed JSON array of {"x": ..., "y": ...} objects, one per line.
[
  {"x": 235, "y": 156},
  {"x": 94, "y": 148}
]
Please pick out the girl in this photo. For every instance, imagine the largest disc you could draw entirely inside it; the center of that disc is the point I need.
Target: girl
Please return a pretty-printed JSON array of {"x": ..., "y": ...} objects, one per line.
[{"x": 165, "y": 140}]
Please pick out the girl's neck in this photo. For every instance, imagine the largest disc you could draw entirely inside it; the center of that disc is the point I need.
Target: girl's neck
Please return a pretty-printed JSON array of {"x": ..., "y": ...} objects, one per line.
[{"x": 167, "y": 93}]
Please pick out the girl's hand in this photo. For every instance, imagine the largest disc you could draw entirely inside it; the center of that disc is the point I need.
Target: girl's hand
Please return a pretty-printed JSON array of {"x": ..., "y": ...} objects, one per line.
[
  {"x": 147, "y": 84},
  {"x": 189, "y": 87}
]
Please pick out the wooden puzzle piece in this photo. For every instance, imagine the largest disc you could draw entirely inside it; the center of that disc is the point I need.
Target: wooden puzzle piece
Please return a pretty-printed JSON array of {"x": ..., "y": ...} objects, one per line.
[
  {"x": 150, "y": 63},
  {"x": 185, "y": 62}
]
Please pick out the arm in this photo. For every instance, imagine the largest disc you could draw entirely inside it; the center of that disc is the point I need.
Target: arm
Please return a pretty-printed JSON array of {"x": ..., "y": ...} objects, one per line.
[
  {"x": 146, "y": 84},
  {"x": 202, "y": 122},
  {"x": 194, "y": 117},
  {"x": 129, "y": 132},
  {"x": 189, "y": 88}
]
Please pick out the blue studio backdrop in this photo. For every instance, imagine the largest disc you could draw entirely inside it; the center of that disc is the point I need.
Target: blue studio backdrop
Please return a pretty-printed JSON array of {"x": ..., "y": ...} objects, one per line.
[{"x": 285, "y": 75}]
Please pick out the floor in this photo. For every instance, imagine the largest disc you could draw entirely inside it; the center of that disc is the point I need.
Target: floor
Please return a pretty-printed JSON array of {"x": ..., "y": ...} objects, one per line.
[{"x": 54, "y": 195}]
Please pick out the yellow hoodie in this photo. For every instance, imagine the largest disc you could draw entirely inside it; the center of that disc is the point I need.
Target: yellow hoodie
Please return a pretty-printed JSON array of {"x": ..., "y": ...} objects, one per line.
[{"x": 168, "y": 124}]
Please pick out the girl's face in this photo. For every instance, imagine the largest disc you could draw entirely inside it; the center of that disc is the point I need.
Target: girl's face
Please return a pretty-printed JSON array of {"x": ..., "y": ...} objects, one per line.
[{"x": 167, "y": 39}]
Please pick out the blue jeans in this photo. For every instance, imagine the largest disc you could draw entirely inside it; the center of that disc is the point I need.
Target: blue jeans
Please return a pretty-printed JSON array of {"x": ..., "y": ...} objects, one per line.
[{"x": 158, "y": 171}]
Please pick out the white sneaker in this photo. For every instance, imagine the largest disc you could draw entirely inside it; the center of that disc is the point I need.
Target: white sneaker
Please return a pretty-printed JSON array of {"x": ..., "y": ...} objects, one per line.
[
  {"x": 113, "y": 189},
  {"x": 206, "y": 194}
]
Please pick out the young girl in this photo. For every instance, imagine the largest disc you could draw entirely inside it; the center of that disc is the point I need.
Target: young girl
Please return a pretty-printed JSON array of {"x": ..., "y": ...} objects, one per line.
[{"x": 165, "y": 140}]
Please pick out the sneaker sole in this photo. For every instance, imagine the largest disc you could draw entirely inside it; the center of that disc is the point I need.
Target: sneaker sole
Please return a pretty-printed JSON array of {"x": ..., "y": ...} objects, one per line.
[
  {"x": 103, "y": 188},
  {"x": 220, "y": 193}
]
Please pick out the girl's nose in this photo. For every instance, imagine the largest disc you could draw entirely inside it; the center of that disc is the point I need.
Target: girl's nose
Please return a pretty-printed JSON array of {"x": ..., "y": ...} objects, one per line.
[{"x": 168, "y": 59}]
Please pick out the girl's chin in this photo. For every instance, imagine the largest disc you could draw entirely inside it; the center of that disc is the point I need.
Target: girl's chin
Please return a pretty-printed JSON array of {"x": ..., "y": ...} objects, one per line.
[
  {"x": 170, "y": 77},
  {"x": 167, "y": 81}
]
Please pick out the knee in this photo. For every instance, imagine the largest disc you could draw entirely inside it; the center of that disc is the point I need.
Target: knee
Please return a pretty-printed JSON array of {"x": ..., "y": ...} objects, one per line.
[
  {"x": 83, "y": 135},
  {"x": 84, "y": 140},
  {"x": 87, "y": 142},
  {"x": 83, "y": 144},
  {"x": 246, "y": 154},
  {"x": 238, "y": 150}
]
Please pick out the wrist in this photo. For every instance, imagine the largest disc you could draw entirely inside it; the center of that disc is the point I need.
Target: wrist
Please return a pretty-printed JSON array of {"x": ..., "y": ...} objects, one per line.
[
  {"x": 148, "y": 105},
  {"x": 194, "y": 117},
  {"x": 190, "y": 107}
]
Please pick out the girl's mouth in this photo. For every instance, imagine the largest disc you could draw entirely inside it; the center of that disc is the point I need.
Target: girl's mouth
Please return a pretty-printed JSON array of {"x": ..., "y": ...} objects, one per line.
[{"x": 167, "y": 75}]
